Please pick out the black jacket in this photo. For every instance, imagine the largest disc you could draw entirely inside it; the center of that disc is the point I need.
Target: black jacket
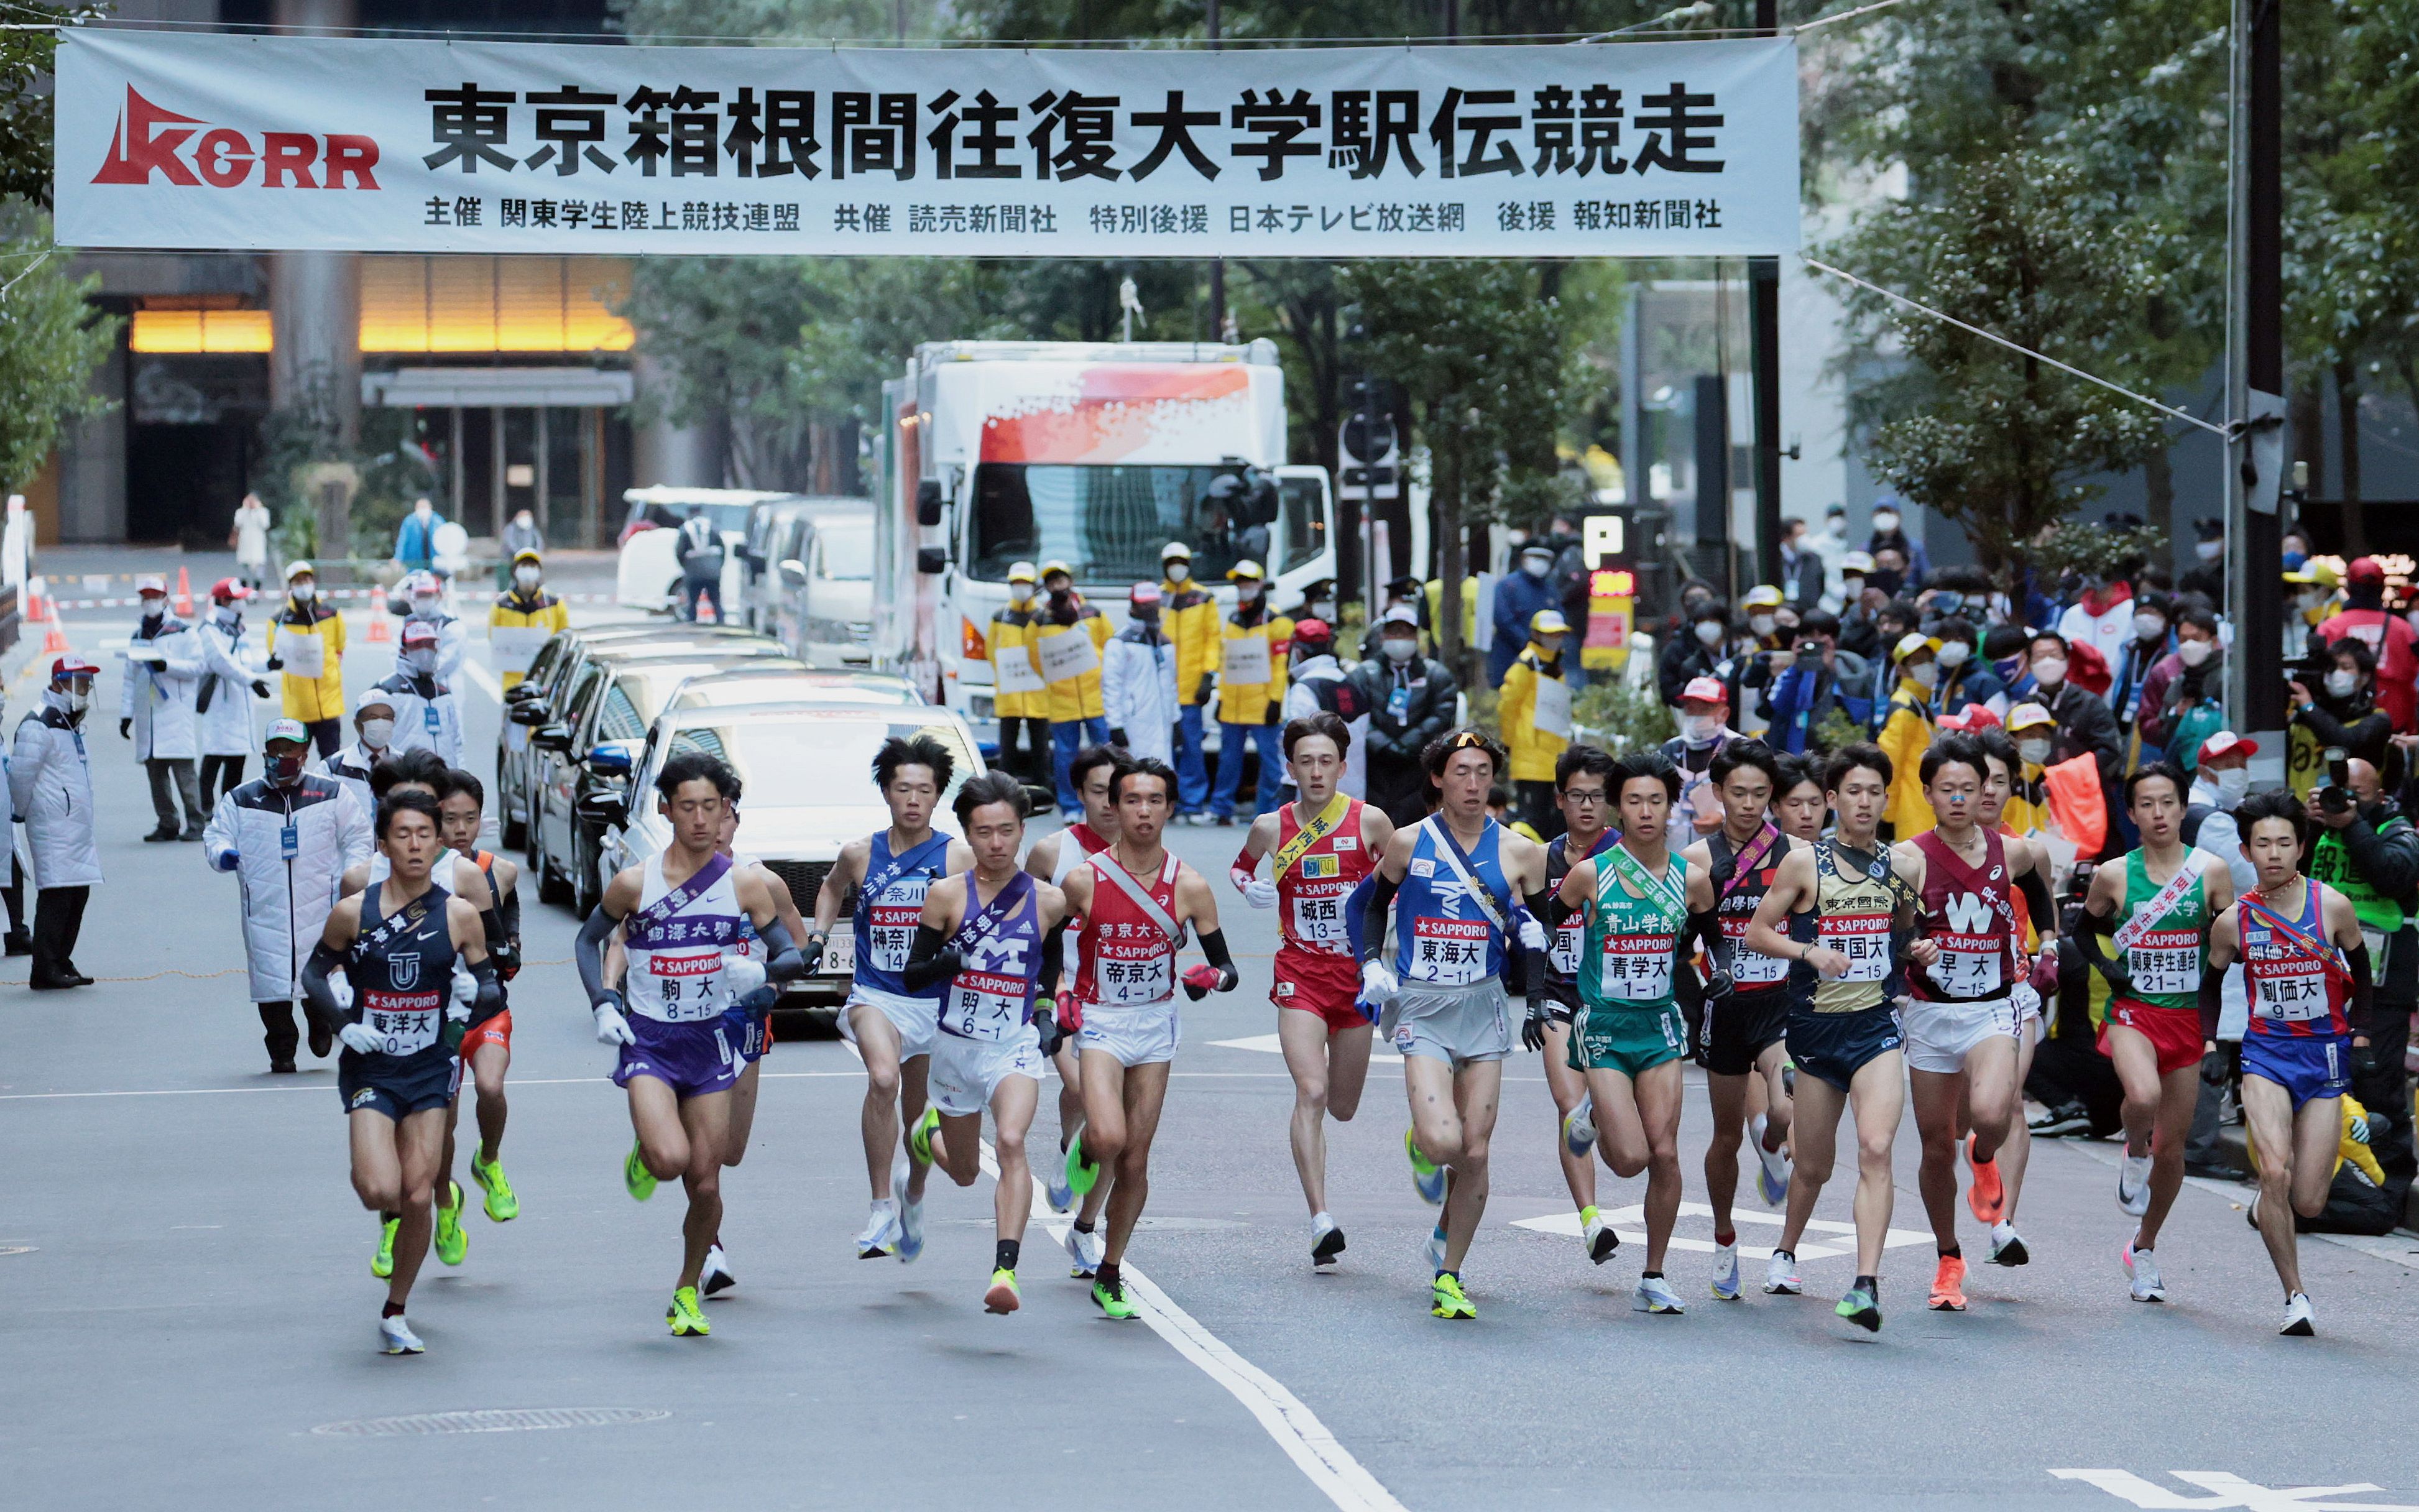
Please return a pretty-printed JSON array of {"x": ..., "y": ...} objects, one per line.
[
  {"x": 1801, "y": 583},
  {"x": 1683, "y": 659},
  {"x": 2358, "y": 726},
  {"x": 2084, "y": 723},
  {"x": 1397, "y": 738}
]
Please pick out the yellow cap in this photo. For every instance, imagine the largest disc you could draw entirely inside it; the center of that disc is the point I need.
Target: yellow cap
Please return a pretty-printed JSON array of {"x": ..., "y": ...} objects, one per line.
[
  {"x": 1548, "y": 622},
  {"x": 1762, "y": 596},
  {"x": 1049, "y": 567},
  {"x": 527, "y": 553},
  {"x": 1911, "y": 643},
  {"x": 1020, "y": 572},
  {"x": 1245, "y": 569}
]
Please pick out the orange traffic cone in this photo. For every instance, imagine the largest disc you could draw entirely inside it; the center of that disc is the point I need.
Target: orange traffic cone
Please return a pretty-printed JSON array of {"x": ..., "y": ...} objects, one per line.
[
  {"x": 379, "y": 630},
  {"x": 31, "y": 610},
  {"x": 56, "y": 641},
  {"x": 184, "y": 596}
]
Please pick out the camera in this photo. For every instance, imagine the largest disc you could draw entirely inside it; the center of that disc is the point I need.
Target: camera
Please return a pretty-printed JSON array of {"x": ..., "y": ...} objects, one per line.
[
  {"x": 2070, "y": 907},
  {"x": 2335, "y": 797}
]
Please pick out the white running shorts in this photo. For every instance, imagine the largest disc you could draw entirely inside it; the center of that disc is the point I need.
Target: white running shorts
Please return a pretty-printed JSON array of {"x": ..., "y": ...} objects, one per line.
[
  {"x": 965, "y": 1072},
  {"x": 1145, "y": 1035},
  {"x": 915, "y": 1019},
  {"x": 1939, "y": 1036}
]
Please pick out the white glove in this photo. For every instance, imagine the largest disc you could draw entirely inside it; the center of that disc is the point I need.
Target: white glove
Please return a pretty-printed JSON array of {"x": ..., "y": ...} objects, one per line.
[
  {"x": 742, "y": 975},
  {"x": 1532, "y": 934},
  {"x": 1260, "y": 893},
  {"x": 340, "y": 987},
  {"x": 1378, "y": 984},
  {"x": 466, "y": 993},
  {"x": 2024, "y": 999},
  {"x": 358, "y": 1039},
  {"x": 611, "y": 1027}
]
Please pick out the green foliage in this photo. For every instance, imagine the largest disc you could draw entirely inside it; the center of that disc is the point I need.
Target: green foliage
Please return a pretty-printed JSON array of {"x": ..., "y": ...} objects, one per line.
[
  {"x": 1620, "y": 717},
  {"x": 51, "y": 342},
  {"x": 2092, "y": 549},
  {"x": 388, "y": 472},
  {"x": 1836, "y": 728},
  {"x": 25, "y": 114}
]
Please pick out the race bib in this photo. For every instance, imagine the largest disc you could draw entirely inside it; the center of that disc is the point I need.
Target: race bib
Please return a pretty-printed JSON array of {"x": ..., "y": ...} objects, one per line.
[
  {"x": 2291, "y": 991},
  {"x": 1864, "y": 939},
  {"x": 891, "y": 921},
  {"x": 985, "y": 1005},
  {"x": 2165, "y": 961},
  {"x": 1968, "y": 965},
  {"x": 1318, "y": 921},
  {"x": 688, "y": 986},
  {"x": 304, "y": 656},
  {"x": 404, "y": 1023},
  {"x": 1244, "y": 662},
  {"x": 1068, "y": 654},
  {"x": 1131, "y": 973},
  {"x": 1569, "y": 941},
  {"x": 1553, "y": 715},
  {"x": 1751, "y": 969},
  {"x": 1637, "y": 968},
  {"x": 1012, "y": 673},
  {"x": 1450, "y": 953}
]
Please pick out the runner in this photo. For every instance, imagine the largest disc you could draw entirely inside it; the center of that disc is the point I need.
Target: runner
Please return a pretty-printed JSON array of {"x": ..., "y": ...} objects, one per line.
[
  {"x": 992, "y": 953},
  {"x": 1443, "y": 997},
  {"x": 1638, "y": 900},
  {"x": 1850, "y": 915},
  {"x": 1136, "y": 902},
  {"x": 2310, "y": 981},
  {"x": 488, "y": 1050},
  {"x": 1050, "y": 859},
  {"x": 400, "y": 942},
  {"x": 2039, "y": 933},
  {"x": 889, "y": 874},
  {"x": 2152, "y": 917},
  {"x": 1325, "y": 843},
  {"x": 1801, "y": 806},
  {"x": 1961, "y": 1026},
  {"x": 1583, "y": 791},
  {"x": 679, "y": 912},
  {"x": 1744, "y": 1028}
]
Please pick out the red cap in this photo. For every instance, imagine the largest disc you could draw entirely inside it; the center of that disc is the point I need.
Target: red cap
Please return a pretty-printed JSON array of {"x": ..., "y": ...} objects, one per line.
[
  {"x": 1705, "y": 690},
  {"x": 2365, "y": 569},
  {"x": 1973, "y": 718},
  {"x": 1144, "y": 594},
  {"x": 73, "y": 665},
  {"x": 1314, "y": 629},
  {"x": 419, "y": 633},
  {"x": 227, "y": 590},
  {"x": 2226, "y": 743}
]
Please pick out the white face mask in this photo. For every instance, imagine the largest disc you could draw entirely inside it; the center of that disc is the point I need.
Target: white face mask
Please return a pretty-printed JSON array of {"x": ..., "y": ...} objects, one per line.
[
  {"x": 1178, "y": 571},
  {"x": 2049, "y": 671},
  {"x": 1400, "y": 647},
  {"x": 525, "y": 579},
  {"x": 2342, "y": 683},
  {"x": 2231, "y": 785},
  {"x": 2194, "y": 653},
  {"x": 421, "y": 662},
  {"x": 2035, "y": 751},
  {"x": 1700, "y": 729},
  {"x": 1884, "y": 521},
  {"x": 1924, "y": 674},
  {"x": 1953, "y": 653},
  {"x": 524, "y": 519},
  {"x": 1852, "y": 588},
  {"x": 1247, "y": 592},
  {"x": 70, "y": 701},
  {"x": 425, "y": 606},
  {"x": 1760, "y": 624},
  {"x": 2209, "y": 550},
  {"x": 1323, "y": 609},
  {"x": 304, "y": 593},
  {"x": 2313, "y": 598},
  {"x": 2149, "y": 626},
  {"x": 1535, "y": 566},
  {"x": 377, "y": 732},
  {"x": 1019, "y": 592},
  {"x": 154, "y": 608},
  {"x": 1709, "y": 632}
]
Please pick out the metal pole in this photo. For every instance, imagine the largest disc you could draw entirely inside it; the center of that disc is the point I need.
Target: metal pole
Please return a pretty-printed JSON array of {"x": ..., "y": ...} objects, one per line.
[
  {"x": 1217, "y": 265},
  {"x": 2255, "y": 385},
  {"x": 1763, "y": 359}
]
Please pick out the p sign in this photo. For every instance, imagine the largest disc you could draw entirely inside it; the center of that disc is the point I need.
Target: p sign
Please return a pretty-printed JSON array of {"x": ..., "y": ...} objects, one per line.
[{"x": 1602, "y": 536}]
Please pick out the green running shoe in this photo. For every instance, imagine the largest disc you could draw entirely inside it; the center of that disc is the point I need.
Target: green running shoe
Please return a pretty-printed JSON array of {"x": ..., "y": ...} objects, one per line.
[
  {"x": 383, "y": 1262},
  {"x": 639, "y": 1181},
  {"x": 451, "y": 1244},
  {"x": 919, "y": 1139},
  {"x": 502, "y": 1207},
  {"x": 1862, "y": 1308},
  {"x": 1003, "y": 1297},
  {"x": 688, "y": 1319},
  {"x": 1111, "y": 1295},
  {"x": 1082, "y": 1175},
  {"x": 1428, "y": 1177},
  {"x": 1446, "y": 1299}
]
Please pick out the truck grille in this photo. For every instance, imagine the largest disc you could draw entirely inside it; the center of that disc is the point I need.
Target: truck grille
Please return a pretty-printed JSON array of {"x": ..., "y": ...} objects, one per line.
[{"x": 803, "y": 879}]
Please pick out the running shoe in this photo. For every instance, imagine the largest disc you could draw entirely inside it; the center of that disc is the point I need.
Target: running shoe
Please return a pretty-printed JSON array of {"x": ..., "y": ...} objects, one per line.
[
  {"x": 502, "y": 1205},
  {"x": 636, "y": 1179},
  {"x": 1082, "y": 1175},
  {"x": 1326, "y": 1240},
  {"x": 396, "y": 1338},
  {"x": 1772, "y": 1178},
  {"x": 451, "y": 1244},
  {"x": 688, "y": 1319},
  {"x": 2143, "y": 1267},
  {"x": 2300, "y": 1321},
  {"x": 1003, "y": 1296},
  {"x": 1988, "y": 1197},
  {"x": 1947, "y": 1285},
  {"x": 1726, "y": 1277},
  {"x": 1445, "y": 1298},
  {"x": 1433, "y": 1246},
  {"x": 1862, "y": 1308},
  {"x": 1056, "y": 1188},
  {"x": 1578, "y": 1127},
  {"x": 1086, "y": 1251},
  {"x": 1654, "y": 1295},
  {"x": 717, "y": 1277},
  {"x": 879, "y": 1238},
  {"x": 1597, "y": 1235},
  {"x": 2061, "y": 1122},
  {"x": 1781, "y": 1278},
  {"x": 383, "y": 1259},
  {"x": 919, "y": 1139},
  {"x": 1428, "y": 1177},
  {"x": 911, "y": 1230},
  {"x": 2007, "y": 1246},
  {"x": 1110, "y": 1297},
  {"x": 2133, "y": 1183}
]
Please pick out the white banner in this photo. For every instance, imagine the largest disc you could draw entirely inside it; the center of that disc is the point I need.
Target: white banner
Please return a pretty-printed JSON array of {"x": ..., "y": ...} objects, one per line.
[{"x": 1643, "y": 149}]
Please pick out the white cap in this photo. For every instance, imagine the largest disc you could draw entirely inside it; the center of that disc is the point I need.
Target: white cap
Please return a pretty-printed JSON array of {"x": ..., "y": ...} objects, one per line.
[{"x": 374, "y": 698}]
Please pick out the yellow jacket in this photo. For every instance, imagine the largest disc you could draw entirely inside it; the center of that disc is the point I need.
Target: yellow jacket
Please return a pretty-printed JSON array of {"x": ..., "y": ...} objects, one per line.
[
  {"x": 312, "y": 698},
  {"x": 1012, "y": 632},
  {"x": 2024, "y": 816},
  {"x": 1469, "y": 611},
  {"x": 1251, "y": 703},
  {"x": 1188, "y": 616},
  {"x": 1905, "y": 735},
  {"x": 513, "y": 612},
  {"x": 1533, "y": 750},
  {"x": 1077, "y": 697}
]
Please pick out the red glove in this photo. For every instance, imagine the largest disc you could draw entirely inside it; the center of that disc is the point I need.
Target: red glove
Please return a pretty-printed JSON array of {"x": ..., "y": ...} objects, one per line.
[
  {"x": 1070, "y": 1016},
  {"x": 1203, "y": 980}
]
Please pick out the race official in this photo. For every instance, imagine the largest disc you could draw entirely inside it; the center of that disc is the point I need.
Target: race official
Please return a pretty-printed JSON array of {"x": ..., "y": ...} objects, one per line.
[
  {"x": 49, "y": 791},
  {"x": 156, "y": 709}
]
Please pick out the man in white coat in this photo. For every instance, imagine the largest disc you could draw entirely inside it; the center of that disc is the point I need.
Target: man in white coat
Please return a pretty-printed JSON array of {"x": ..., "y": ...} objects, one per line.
[
  {"x": 426, "y": 597},
  {"x": 232, "y": 677},
  {"x": 425, "y": 716},
  {"x": 288, "y": 838},
  {"x": 156, "y": 709},
  {"x": 49, "y": 791},
  {"x": 373, "y": 728},
  {"x": 249, "y": 538},
  {"x": 1138, "y": 681},
  {"x": 1320, "y": 682}
]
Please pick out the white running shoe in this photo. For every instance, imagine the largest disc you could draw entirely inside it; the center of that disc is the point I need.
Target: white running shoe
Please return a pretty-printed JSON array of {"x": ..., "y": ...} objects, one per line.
[
  {"x": 2134, "y": 1184},
  {"x": 2144, "y": 1267},
  {"x": 1061, "y": 1195},
  {"x": 1578, "y": 1127},
  {"x": 1781, "y": 1278},
  {"x": 2007, "y": 1246},
  {"x": 2298, "y": 1316},
  {"x": 1326, "y": 1240},
  {"x": 1597, "y": 1235},
  {"x": 911, "y": 1231},
  {"x": 879, "y": 1237},
  {"x": 396, "y": 1338},
  {"x": 1086, "y": 1251},
  {"x": 1654, "y": 1295},
  {"x": 1772, "y": 1182},
  {"x": 717, "y": 1275},
  {"x": 1433, "y": 1248},
  {"x": 1726, "y": 1280}
]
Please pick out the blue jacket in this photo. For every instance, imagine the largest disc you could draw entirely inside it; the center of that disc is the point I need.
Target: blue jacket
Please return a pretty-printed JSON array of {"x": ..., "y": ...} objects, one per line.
[
  {"x": 415, "y": 546},
  {"x": 1799, "y": 701},
  {"x": 1517, "y": 597}
]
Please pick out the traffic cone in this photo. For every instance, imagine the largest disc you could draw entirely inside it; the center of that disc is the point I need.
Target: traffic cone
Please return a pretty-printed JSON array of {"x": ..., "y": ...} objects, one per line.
[
  {"x": 378, "y": 628},
  {"x": 56, "y": 641},
  {"x": 31, "y": 610},
  {"x": 184, "y": 596}
]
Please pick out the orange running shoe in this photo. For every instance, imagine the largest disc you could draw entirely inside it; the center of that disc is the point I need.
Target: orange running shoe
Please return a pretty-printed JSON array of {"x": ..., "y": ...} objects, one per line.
[
  {"x": 1948, "y": 1285},
  {"x": 1988, "y": 1195}
]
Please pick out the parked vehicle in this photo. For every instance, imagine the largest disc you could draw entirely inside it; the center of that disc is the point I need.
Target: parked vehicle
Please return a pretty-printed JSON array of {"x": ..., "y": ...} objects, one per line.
[
  {"x": 777, "y": 534},
  {"x": 768, "y": 683},
  {"x": 827, "y": 613},
  {"x": 650, "y": 574}
]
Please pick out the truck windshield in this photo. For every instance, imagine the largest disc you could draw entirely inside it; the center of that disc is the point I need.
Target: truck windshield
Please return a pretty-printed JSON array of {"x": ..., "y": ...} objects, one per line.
[{"x": 1108, "y": 523}]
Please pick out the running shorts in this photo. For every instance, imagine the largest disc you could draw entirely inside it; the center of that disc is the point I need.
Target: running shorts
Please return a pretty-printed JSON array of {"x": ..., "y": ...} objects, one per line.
[
  {"x": 1742, "y": 1025},
  {"x": 1455, "y": 1025},
  {"x": 396, "y": 1086},
  {"x": 915, "y": 1019},
  {"x": 1316, "y": 981},
  {"x": 1628, "y": 1039},
  {"x": 693, "y": 1059},
  {"x": 965, "y": 1071},
  {"x": 749, "y": 1032},
  {"x": 1562, "y": 999},
  {"x": 1145, "y": 1033},
  {"x": 1940, "y": 1035},
  {"x": 1836, "y": 1046},
  {"x": 2172, "y": 1032},
  {"x": 2306, "y": 1066},
  {"x": 496, "y": 1031}
]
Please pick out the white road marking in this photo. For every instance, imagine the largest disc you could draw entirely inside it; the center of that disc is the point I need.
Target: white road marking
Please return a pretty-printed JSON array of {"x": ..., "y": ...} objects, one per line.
[
  {"x": 1270, "y": 1045},
  {"x": 2227, "y": 1490},
  {"x": 1630, "y": 1224},
  {"x": 486, "y": 680}
]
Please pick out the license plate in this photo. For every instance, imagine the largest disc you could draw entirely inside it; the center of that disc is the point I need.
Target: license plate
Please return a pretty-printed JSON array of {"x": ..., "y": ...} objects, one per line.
[{"x": 839, "y": 954}]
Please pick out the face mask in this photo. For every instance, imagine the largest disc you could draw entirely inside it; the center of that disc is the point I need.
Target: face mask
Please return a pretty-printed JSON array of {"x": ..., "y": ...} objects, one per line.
[
  {"x": 230, "y": 616},
  {"x": 1709, "y": 632},
  {"x": 1953, "y": 653},
  {"x": 1700, "y": 729},
  {"x": 1760, "y": 624},
  {"x": 375, "y": 732},
  {"x": 1178, "y": 571},
  {"x": 2209, "y": 550},
  {"x": 1323, "y": 609},
  {"x": 1019, "y": 592},
  {"x": 2231, "y": 785},
  {"x": 1924, "y": 674},
  {"x": 1886, "y": 578},
  {"x": 1884, "y": 521},
  {"x": 525, "y": 579},
  {"x": 1399, "y": 648},
  {"x": 2049, "y": 671},
  {"x": 154, "y": 607},
  {"x": 67, "y": 700},
  {"x": 1247, "y": 592},
  {"x": 524, "y": 519},
  {"x": 1534, "y": 568},
  {"x": 304, "y": 593},
  {"x": 2149, "y": 626},
  {"x": 286, "y": 770},
  {"x": 2314, "y": 598},
  {"x": 1550, "y": 644},
  {"x": 2194, "y": 653},
  {"x": 421, "y": 662},
  {"x": 1852, "y": 587},
  {"x": 425, "y": 607},
  {"x": 2293, "y": 560},
  {"x": 2342, "y": 685},
  {"x": 2035, "y": 751}
]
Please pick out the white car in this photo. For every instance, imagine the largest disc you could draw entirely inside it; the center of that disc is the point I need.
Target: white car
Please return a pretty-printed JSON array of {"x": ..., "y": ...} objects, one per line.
[
  {"x": 808, "y": 689},
  {"x": 650, "y": 574},
  {"x": 807, "y": 778}
]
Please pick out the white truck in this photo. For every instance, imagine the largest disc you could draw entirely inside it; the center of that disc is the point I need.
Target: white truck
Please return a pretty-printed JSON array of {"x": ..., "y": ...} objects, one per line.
[{"x": 1096, "y": 454}]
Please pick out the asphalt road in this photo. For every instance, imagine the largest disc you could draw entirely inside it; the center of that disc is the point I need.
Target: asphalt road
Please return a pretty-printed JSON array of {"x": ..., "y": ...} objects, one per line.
[{"x": 191, "y": 1316}]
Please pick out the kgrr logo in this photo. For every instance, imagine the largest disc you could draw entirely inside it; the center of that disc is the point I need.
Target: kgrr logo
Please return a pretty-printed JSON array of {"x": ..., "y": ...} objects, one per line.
[{"x": 149, "y": 139}]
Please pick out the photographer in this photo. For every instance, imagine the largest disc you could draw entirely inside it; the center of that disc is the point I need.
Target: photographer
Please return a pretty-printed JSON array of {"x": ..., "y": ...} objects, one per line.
[
  {"x": 2344, "y": 711},
  {"x": 1817, "y": 679},
  {"x": 2072, "y": 1081},
  {"x": 2368, "y": 851}
]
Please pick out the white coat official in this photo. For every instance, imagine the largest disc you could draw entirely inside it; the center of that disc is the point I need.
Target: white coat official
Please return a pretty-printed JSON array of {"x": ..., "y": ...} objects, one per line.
[
  {"x": 287, "y": 898},
  {"x": 161, "y": 687},
  {"x": 231, "y": 665},
  {"x": 50, "y": 791},
  {"x": 1138, "y": 681},
  {"x": 426, "y": 716}
]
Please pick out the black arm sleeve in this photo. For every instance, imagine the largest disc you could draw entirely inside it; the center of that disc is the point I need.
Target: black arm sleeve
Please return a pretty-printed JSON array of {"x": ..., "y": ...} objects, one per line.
[
  {"x": 928, "y": 962},
  {"x": 2036, "y": 902},
  {"x": 782, "y": 961},
  {"x": 506, "y": 948},
  {"x": 1705, "y": 928},
  {"x": 2364, "y": 988},
  {"x": 588, "y": 951},
  {"x": 490, "y": 1000},
  {"x": 2108, "y": 961},
  {"x": 1213, "y": 947},
  {"x": 318, "y": 998},
  {"x": 1372, "y": 923},
  {"x": 2212, "y": 1002},
  {"x": 1053, "y": 959},
  {"x": 1531, "y": 975}
]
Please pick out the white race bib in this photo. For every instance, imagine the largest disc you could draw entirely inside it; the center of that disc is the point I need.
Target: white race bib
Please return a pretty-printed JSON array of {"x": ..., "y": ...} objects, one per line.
[
  {"x": 2165, "y": 961},
  {"x": 1568, "y": 941},
  {"x": 1318, "y": 921},
  {"x": 403, "y": 1022},
  {"x": 1968, "y": 965},
  {"x": 1864, "y": 939},
  {"x": 1751, "y": 969},
  {"x": 1554, "y": 712},
  {"x": 305, "y": 655},
  {"x": 1132, "y": 983},
  {"x": 1011, "y": 670},
  {"x": 2292, "y": 992},
  {"x": 687, "y": 985},
  {"x": 1068, "y": 653},
  {"x": 1244, "y": 662},
  {"x": 1637, "y": 968},
  {"x": 1449, "y": 952},
  {"x": 985, "y": 1006}
]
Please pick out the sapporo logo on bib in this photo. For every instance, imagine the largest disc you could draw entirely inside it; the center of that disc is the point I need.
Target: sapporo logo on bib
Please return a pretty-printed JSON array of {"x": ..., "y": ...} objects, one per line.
[
  {"x": 1749, "y": 968},
  {"x": 1132, "y": 964},
  {"x": 403, "y": 1022},
  {"x": 1449, "y": 950},
  {"x": 891, "y": 921},
  {"x": 1637, "y": 968}
]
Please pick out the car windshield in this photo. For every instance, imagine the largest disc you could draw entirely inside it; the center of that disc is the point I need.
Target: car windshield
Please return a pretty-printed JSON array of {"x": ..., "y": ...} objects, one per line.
[
  {"x": 731, "y": 518},
  {"x": 1108, "y": 523},
  {"x": 847, "y": 551},
  {"x": 809, "y": 762},
  {"x": 871, "y": 688}
]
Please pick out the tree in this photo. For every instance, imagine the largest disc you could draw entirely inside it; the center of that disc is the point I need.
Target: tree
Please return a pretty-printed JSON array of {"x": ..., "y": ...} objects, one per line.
[
  {"x": 25, "y": 112},
  {"x": 2001, "y": 443},
  {"x": 50, "y": 343}
]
